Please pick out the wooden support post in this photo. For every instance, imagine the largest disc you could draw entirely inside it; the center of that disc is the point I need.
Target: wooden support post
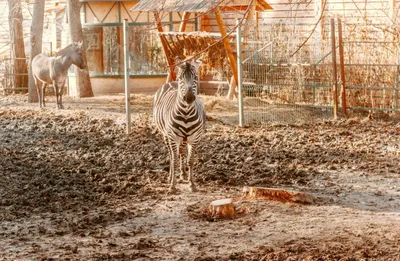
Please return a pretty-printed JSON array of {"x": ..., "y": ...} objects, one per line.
[
  {"x": 392, "y": 11},
  {"x": 228, "y": 48},
  {"x": 184, "y": 21},
  {"x": 250, "y": 22},
  {"x": 342, "y": 71},
  {"x": 334, "y": 72},
  {"x": 257, "y": 30},
  {"x": 164, "y": 43},
  {"x": 319, "y": 5}
]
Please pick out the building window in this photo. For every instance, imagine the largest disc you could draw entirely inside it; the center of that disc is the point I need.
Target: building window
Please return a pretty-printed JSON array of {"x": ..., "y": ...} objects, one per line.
[{"x": 105, "y": 50}]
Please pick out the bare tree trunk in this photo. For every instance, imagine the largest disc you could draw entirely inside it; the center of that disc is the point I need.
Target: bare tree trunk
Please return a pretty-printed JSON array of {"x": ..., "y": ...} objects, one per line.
[
  {"x": 18, "y": 58},
  {"x": 36, "y": 44},
  {"x": 83, "y": 85}
]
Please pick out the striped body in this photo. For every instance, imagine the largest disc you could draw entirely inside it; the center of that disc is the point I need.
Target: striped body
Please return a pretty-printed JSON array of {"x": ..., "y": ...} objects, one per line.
[
  {"x": 180, "y": 117},
  {"x": 175, "y": 119}
]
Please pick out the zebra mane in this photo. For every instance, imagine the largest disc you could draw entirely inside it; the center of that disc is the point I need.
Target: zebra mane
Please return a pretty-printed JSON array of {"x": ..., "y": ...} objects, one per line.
[{"x": 186, "y": 68}]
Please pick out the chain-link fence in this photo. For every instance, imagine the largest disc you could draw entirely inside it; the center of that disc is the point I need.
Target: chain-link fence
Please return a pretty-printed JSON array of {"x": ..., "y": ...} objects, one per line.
[
  {"x": 372, "y": 75},
  {"x": 105, "y": 50},
  {"x": 282, "y": 87},
  {"x": 8, "y": 82},
  {"x": 289, "y": 73}
]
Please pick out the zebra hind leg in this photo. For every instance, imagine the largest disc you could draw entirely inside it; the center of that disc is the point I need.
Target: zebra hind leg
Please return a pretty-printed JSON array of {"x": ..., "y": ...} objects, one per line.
[{"x": 192, "y": 187}]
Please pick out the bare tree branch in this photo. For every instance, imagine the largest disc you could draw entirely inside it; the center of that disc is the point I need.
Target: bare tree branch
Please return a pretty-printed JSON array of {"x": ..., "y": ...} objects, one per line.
[{"x": 312, "y": 31}]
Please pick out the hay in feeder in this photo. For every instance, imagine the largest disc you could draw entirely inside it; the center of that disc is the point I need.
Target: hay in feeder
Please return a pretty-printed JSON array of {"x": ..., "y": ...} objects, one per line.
[{"x": 183, "y": 45}]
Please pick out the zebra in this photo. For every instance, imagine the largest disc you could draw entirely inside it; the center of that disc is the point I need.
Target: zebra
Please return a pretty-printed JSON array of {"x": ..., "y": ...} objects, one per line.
[{"x": 180, "y": 117}]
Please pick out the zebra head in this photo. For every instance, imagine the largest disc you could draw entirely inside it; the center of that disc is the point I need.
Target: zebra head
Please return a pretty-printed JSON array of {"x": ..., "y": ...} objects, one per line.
[{"x": 187, "y": 78}]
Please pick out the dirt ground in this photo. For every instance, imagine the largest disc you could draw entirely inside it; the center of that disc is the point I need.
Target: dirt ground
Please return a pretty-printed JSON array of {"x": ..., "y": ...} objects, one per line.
[{"x": 74, "y": 186}]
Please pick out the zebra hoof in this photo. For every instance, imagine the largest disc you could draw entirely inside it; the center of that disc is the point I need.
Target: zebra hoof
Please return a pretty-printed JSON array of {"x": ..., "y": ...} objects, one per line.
[
  {"x": 192, "y": 188},
  {"x": 172, "y": 190}
]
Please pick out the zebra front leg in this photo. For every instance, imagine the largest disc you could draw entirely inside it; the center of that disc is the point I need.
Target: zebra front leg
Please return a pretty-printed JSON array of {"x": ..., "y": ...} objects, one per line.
[
  {"x": 192, "y": 187},
  {"x": 182, "y": 160},
  {"x": 174, "y": 154},
  {"x": 169, "y": 156}
]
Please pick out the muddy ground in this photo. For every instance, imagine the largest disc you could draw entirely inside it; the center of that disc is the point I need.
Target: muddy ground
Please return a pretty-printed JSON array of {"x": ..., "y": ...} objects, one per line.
[{"x": 73, "y": 186}]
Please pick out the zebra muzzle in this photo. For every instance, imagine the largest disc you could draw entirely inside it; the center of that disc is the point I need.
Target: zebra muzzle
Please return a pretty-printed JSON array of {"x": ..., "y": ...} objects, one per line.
[{"x": 189, "y": 97}]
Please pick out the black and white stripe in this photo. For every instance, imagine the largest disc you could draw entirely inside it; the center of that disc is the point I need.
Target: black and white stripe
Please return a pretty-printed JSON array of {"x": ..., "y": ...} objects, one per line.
[{"x": 180, "y": 117}]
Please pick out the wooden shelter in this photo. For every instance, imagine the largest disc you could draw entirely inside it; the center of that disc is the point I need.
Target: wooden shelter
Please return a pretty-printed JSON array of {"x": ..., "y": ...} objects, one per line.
[
  {"x": 181, "y": 43},
  {"x": 102, "y": 22}
]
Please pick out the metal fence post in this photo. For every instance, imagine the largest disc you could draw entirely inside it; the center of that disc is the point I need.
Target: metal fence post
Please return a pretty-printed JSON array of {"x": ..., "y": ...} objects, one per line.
[
  {"x": 126, "y": 78},
  {"x": 396, "y": 92},
  {"x": 334, "y": 73},
  {"x": 239, "y": 71},
  {"x": 342, "y": 71}
]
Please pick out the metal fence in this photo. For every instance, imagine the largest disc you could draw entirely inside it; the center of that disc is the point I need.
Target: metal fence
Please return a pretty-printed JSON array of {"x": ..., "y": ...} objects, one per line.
[
  {"x": 288, "y": 79},
  {"x": 8, "y": 75},
  {"x": 105, "y": 50},
  {"x": 371, "y": 73},
  {"x": 282, "y": 88}
]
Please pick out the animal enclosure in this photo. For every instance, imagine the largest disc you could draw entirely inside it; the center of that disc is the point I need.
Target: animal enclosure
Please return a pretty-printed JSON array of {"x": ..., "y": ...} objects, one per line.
[
  {"x": 74, "y": 186},
  {"x": 290, "y": 79}
]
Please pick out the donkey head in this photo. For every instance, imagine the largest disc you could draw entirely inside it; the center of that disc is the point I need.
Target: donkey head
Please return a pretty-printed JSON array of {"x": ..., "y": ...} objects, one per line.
[
  {"x": 187, "y": 78},
  {"x": 76, "y": 55}
]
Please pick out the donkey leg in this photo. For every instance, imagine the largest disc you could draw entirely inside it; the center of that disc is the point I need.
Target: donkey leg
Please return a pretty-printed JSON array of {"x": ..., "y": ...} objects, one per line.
[
  {"x": 43, "y": 94},
  {"x": 55, "y": 86},
  {"x": 38, "y": 87},
  {"x": 61, "y": 93}
]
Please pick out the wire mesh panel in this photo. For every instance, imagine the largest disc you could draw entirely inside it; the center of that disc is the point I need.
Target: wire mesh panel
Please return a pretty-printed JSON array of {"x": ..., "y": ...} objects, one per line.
[
  {"x": 281, "y": 86},
  {"x": 372, "y": 75},
  {"x": 105, "y": 50}
]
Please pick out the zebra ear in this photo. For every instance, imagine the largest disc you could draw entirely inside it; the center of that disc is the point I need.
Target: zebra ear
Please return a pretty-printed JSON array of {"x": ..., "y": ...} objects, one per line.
[
  {"x": 180, "y": 63},
  {"x": 79, "y": 44},
  {"x": 196, "y": 63}
]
